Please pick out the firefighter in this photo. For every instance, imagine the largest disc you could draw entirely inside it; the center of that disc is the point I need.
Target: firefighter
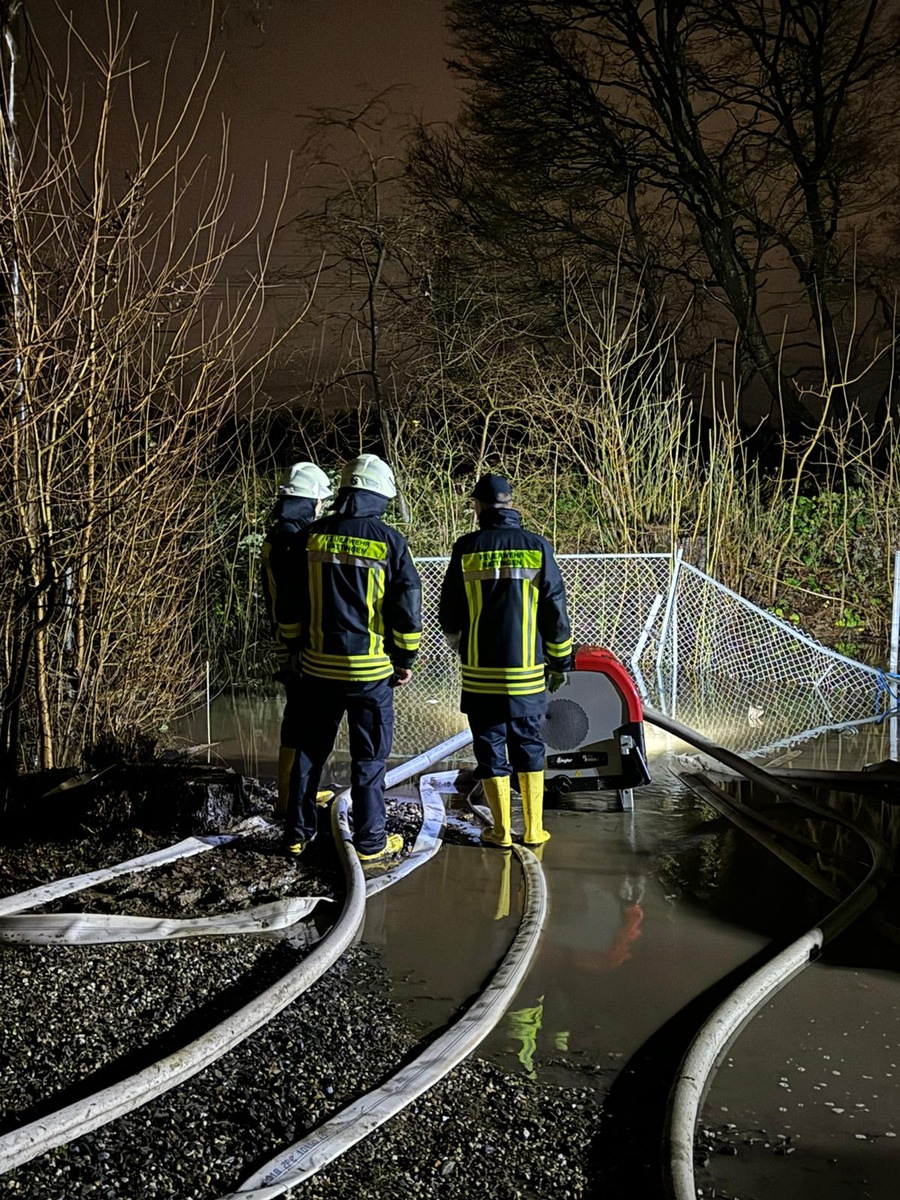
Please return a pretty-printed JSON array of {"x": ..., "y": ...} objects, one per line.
[
  {"x": 353, "y": 612},
  {"x": 300, "y": 500},
  {"x": 503, "y": 609}
]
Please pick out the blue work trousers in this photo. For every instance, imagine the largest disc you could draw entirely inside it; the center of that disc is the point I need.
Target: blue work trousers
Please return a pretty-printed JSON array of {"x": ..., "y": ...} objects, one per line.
[
  {"x": 518, "y": 737},
  {"x": 370, "y": 722},
  {"x": 293, "y": 711}
]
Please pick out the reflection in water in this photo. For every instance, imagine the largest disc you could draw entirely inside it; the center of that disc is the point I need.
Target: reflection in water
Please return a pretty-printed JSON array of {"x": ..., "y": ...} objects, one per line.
[
  {"x": 522, "y": 1026},
  {"x": 619, "y": 950},
  {"x": 646, "y": 910},
  {"x": 245, "y": 730}
]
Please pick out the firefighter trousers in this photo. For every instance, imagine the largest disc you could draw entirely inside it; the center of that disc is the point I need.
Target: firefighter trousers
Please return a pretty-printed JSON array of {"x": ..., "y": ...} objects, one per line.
[
  {"x": 503, "y": 743},
  {"x": 370, "y": 724}
]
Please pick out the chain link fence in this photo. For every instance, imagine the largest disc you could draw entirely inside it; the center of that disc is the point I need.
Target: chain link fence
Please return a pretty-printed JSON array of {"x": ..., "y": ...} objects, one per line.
[{"x": 696, "y": 650}]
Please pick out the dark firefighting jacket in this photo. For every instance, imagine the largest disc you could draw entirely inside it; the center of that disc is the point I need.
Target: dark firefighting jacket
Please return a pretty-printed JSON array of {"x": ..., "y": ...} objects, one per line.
[
  {"x": 288, "y": 519},
  {"x": 504, "y": 596},
  {"x": 351, "y": 601}
]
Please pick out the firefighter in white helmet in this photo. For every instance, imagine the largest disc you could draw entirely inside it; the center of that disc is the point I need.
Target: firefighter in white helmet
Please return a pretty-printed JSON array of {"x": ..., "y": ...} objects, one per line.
[
  {"x": 353, "y": 612},
  {"x": 301, "y": 498}
]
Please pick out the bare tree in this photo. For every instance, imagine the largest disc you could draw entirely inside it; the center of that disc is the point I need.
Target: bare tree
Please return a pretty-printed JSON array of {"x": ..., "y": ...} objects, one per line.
[
  {"x": 127, "y": 350},
  {"x": 363, "y": 243},
  {"x": 733, "y": 155}
]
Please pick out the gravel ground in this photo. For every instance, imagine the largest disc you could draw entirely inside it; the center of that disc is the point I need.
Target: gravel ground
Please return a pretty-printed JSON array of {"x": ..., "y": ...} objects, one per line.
[{"x": 76, "y": 1018}]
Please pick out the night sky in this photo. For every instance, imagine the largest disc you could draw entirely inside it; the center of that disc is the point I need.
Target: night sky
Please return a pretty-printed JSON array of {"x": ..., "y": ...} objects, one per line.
[{"x": 281, "y": 59}]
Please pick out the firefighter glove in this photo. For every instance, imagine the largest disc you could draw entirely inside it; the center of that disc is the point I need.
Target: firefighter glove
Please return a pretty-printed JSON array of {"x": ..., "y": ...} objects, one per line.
[{"x": 556, "y": 680}]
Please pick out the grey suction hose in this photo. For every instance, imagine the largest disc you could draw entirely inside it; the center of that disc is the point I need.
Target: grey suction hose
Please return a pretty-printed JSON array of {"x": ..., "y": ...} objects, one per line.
[
  {"x": 699, "y": 1063},
  {"x": 862, "y": 896}
]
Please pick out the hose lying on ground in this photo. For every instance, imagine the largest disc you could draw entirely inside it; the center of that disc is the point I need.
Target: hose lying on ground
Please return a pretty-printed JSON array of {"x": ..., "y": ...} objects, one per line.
[
  {"x": 46, "y": 892},
  {"x": 706, "y": 1050},
  {"x": 361, "y": 1118},
  {"x": 37, "y": 1137},
  {"x": 97, "y": 929}
]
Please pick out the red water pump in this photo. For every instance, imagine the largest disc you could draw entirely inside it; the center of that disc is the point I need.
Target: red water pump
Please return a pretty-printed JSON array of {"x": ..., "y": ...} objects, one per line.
[{"x": 594, "y": 729}]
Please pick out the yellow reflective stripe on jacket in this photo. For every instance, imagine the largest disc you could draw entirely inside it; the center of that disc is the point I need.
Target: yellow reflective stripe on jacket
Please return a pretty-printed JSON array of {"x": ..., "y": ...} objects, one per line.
[
  {"x": 407, "y": 641},
  {"x": 502, "y": 672},
  {"x": 473, "y": 597},
  {"x": 510, "y": 681},
  {"x": 529, "y": 623},
  {"x": 499, "y": 688},
  {"x": 347, "y": 667},
  {"x": 374, "y": 601},
  {"x": 559, "y": 649},
  {"x": 290, "y": 631},
  {"x": 504, "y": 573}
]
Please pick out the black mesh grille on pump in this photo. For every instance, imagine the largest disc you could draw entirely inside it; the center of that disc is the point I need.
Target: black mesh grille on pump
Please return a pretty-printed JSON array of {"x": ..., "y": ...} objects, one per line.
[{"x": 565, "y": 725}]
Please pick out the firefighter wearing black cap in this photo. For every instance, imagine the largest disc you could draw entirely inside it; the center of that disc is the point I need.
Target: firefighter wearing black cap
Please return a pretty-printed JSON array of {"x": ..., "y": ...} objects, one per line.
[
  {"x": 353, "y": 612},
  {"x": 503, "y": 608}
]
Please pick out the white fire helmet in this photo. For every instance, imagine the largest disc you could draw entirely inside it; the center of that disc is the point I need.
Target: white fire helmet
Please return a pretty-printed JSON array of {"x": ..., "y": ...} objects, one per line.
[
  {"x": 370, "y": 472},
  {"x": 307, "y": 480}
]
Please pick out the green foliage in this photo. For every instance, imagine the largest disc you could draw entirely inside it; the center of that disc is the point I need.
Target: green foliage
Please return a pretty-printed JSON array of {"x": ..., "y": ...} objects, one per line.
[
  {"x": 785, "y": 614},
  {"x": 820, "y": 524},
  {"x": 849, "y": 619}
]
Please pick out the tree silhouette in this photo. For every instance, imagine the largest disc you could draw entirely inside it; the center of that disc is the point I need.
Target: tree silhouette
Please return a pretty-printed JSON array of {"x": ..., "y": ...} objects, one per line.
[{"x": 734, "y": 155}]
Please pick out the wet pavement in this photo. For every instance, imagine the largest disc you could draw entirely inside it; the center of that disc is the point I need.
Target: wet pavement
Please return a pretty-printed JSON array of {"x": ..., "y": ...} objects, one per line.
[
  {"x": 808, "y": 1099},
  {"x": 646, "y": 910}
]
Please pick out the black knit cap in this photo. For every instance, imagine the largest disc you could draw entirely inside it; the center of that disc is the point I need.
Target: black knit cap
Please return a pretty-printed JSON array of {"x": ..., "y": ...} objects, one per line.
[{"x": 492, "y": 489}]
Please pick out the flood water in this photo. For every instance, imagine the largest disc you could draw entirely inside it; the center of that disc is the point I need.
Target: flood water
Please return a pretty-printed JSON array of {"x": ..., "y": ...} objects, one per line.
[{"x": 646, "y": 910}]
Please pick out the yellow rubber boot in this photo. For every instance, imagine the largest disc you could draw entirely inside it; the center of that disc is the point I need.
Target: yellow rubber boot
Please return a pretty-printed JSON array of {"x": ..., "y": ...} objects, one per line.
[
  {"x": 496, "y": 792},
  {"x": 286, "y": 756},
  {"x": 531, "y": 784}
]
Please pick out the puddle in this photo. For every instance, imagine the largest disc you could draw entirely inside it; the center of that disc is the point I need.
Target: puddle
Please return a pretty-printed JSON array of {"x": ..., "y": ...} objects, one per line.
[
  {"x": 646, "y": 910},
  {"x": 812, "y": 1092},
  {"x": 611, "y": 964}
]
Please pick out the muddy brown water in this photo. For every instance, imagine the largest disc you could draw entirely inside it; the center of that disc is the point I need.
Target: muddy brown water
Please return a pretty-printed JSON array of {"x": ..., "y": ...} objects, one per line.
[{"x": 646, "y": 910}]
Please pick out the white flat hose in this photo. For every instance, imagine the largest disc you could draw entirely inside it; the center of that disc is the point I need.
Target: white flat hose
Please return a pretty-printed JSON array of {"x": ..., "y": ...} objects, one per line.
[
  {"x": 707, "y": 1049},
  {"x": 27, "y": 1142},
  {"x": 74, "y": 1120},
  {"x": 97, "y": 929},
  {"x": 365, "y": 1115},
  {"x": 46, "y": 892},
  {"x": 428, "y": 841}
]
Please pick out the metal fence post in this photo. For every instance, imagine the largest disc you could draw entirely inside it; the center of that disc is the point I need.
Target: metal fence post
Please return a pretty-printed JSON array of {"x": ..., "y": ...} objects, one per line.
[
  {"x": 670, "y": 608},
  {"x": 642, "y": 642}
]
